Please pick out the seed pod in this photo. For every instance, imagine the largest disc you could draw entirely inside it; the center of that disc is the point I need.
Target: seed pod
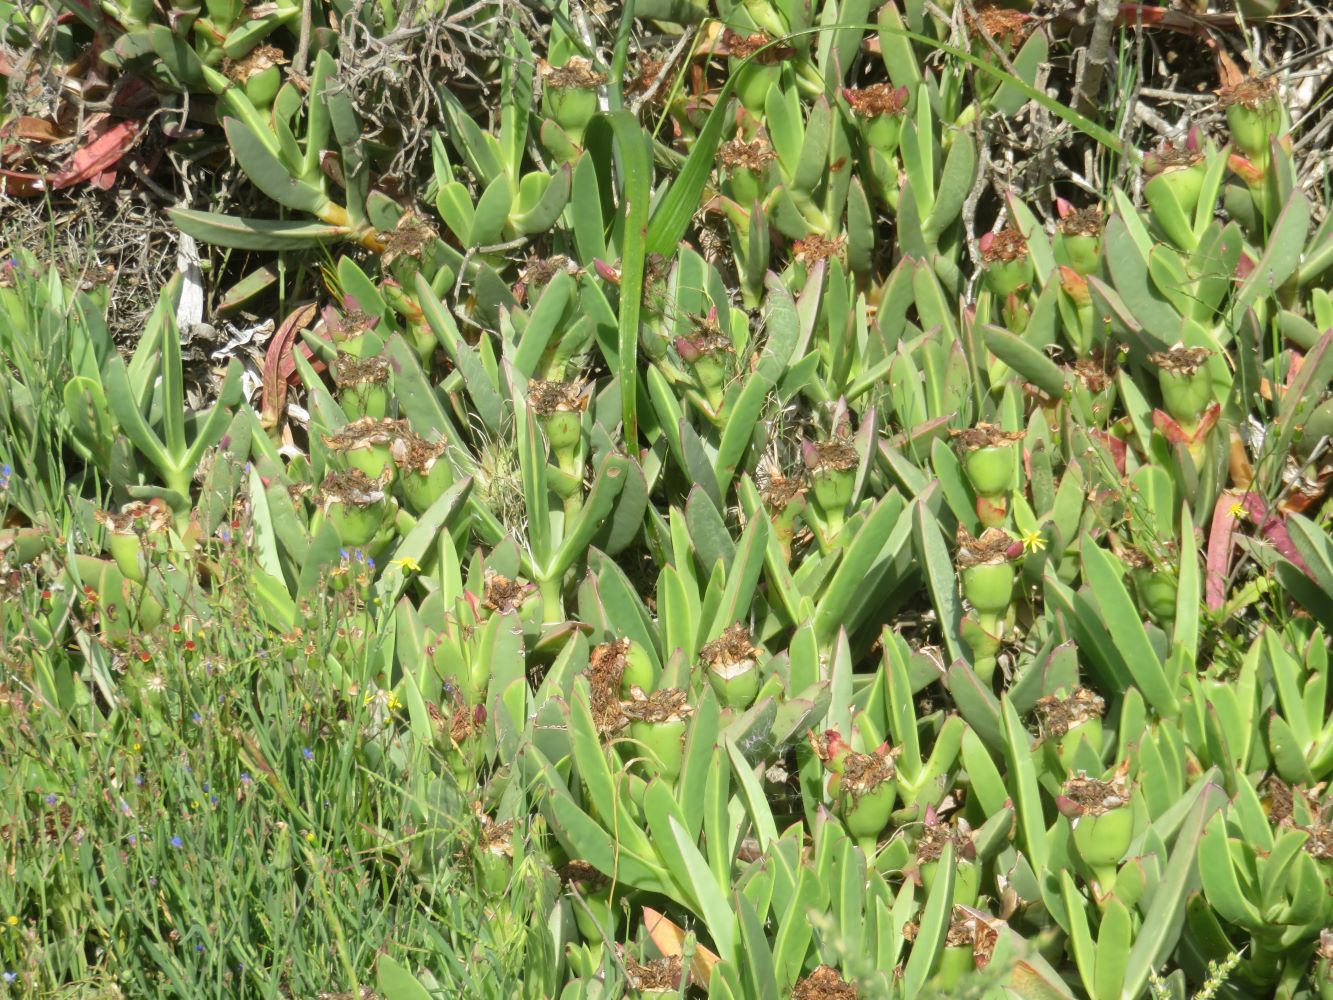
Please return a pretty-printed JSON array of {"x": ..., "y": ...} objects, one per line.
[
  {"x": 569, "y": 94},
  {"x": 831, "y": 466},
  {"x": 990, "y": 457},
  {"x": 708, "y": 353},
  {"x": 422, "y": 470},
  {"x": 1254, "y": 115},
  {"x": 1078, "y": 238},
  {"x": 362, "y": 383},
  {"x": 130, "y": 534},
  {"x": 747, "y": 165},
  {"x": 1186, "y": 383},
  {"x": 258, "y": 73},
  {"x": 1323, "y": 968},
  {"x": 593, "y": 912},
  {"x": 657, "y": 724},
  {"x": 1155, "y": 584},
  {"x": 368, "y": 445},
  {"x": 864, "y": 794},
  {"x": 1103, "y": 822},
  {"x": 732, "y": 666},
  {"x": 761, "y": 75},
  {"x": 1176, "y": 174},
  {"x": 559, "y": 406},
  {"x": 967, "y": 872},
  {"x": 495, "y": 857},
  {"x": 1069, "y": 722},
  {"x": 355, "y": 505},
  {"x": 348, "y": 330},
  {"x": 882, "y": 108},
  {"x": 1008, "y": 266}
]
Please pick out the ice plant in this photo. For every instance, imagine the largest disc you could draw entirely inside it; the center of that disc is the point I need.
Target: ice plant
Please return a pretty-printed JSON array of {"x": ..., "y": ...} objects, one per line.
[
  {"x": 363, "y": 389},
  {"x": 708, "y": 354},
  {"x": 368, "y": 445},
  {"x": 1068, "y": 724},
  {"x": 990, "y": 459},
  {"x": 1078, "y": 237},
  {"x": 831, "y": 469},
  {"x": 569, "y": 95},
  {"x": 657, "y": 726},
  {"x": 138, "y": 529},
  {"x": 1175, "y": 182},
  {"x": 863, "y": 786},
  {"x": 988, "y": 574},
  {"x": 356, "y": 505},
  {"x": 1102, "y": 819},
  {"x": 1008, "y": 273},
  {"x": 731, "y": 665},
  {"x": 1187, "y": 395}
]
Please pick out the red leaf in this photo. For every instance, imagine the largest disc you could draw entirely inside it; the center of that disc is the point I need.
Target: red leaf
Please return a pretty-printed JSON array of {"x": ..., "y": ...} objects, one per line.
[
  {"x": 279, "y": 368},
  {"x": 102, "y": 154},
  {"x": 1218, "y": 561}
]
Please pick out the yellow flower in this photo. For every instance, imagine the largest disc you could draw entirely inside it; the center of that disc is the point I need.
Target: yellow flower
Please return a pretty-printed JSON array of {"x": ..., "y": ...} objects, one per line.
[
  {"x": 1237, "y": 510},
  {"x": 1033, "y": 542},
  {"x": 408, "y": 564},
  {"x": 12, "y": 920}
]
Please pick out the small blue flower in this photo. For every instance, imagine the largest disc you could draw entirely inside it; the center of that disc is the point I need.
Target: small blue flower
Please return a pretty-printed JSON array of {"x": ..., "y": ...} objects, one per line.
[
  {"x": 51, "y": 799},
  {"x": 9, "y": 977},
  {"x": 307, "y": 754},
  {"x": 198, "y": 947},
  {"x": 343, "y": 553},
  {"x": 213, "y": 800},
  {"x": 138, "y": 779},
  {"x": 176, "y": 842},
  {"x": 205, "y": 786},
  {"x": 245, "y": 777},
  {"x": 133, "y": 840},
  {"x": 197, "y": 718}
]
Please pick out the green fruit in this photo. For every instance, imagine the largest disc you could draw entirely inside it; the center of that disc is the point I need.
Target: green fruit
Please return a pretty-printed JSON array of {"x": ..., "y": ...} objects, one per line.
[
  {"x": 990, "y": 469},
  {"x": 262, "y": 87},
  {"x": 989, "y": 587},
  {"x": 664, "y": 743}
]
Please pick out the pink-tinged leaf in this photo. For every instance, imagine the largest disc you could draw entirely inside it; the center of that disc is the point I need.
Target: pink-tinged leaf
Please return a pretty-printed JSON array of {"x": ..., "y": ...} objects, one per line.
[
  {"x": 100, "y": 155},
  {"x": 1246, "y": 170},
  {"x": 1273, "y": 528},
  {"x": 1171, "y": 430},
  {"x": 1207, "y": 421},
  {"x": 1218, "y": 561}
]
